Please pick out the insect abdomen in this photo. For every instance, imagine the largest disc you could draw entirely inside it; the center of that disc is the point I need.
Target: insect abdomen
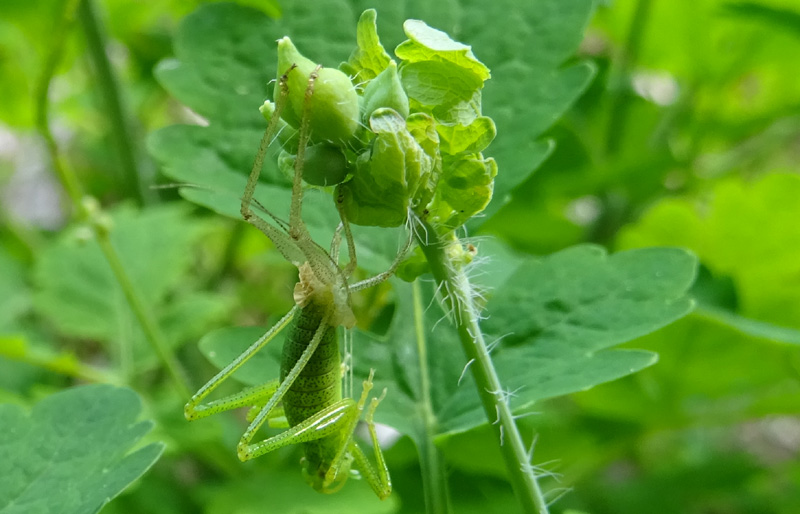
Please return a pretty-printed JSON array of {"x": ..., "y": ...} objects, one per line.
[{"x": 319, "y": 383}]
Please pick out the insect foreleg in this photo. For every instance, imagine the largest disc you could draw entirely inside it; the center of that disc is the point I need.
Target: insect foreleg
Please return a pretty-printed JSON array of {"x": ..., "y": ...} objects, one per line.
[
  {"x": 195, "y": 409},
  {"x": 266, "y": 140},
  {"x": 348, "y": 234},
  {"x": 383, "y": 276}
]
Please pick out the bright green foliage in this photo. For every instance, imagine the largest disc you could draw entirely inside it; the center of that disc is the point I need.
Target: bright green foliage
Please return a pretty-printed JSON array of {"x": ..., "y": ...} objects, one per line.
[
  {"x": 72, "y": 453},
  {"x": 217, "y": 155},
  {"x": 685, "y": 136},
  {"x": 395, "y": 175},
  {"x": 428, "y": 44},
  {"x": 369, "y": 59},
  {"x": 78, "y": 293},
  {"x": 748, "y": 233},
  {"x": 556, "y": 319}
]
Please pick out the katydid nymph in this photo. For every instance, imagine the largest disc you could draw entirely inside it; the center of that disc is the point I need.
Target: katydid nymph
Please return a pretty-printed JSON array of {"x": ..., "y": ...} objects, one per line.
[{"x": 309, "y": 390}]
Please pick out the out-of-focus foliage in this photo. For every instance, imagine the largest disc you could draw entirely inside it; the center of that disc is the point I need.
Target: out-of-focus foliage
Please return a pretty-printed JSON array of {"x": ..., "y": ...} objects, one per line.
[{"x": 675, "y": 124}]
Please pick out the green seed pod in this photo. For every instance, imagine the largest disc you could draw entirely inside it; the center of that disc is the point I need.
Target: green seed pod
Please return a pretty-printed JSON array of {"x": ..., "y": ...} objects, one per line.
[
  {"x": 385, "y": 90},
  {"x": 333, "y": 111},
  {"x": 324, "y": 165}
]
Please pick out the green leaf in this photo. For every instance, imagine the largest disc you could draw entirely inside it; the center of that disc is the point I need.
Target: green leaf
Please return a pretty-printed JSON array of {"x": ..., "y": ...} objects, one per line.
[
  {"x": 433, "y": 83},
  {"x": 748, "y": 231},
  {"x": 472, "y": 138},
  {"x": 80, "y": 295},
  {"x": 556, "y": 316},
  {"x": 428, "y": 44},
  {"x": 709, "y": 372},
  {"x": 369, "y": 59},
  {"x": 289, "y": 494},
  {"x": 72, "y": 453},
  {"x": 555, "y": 319}
]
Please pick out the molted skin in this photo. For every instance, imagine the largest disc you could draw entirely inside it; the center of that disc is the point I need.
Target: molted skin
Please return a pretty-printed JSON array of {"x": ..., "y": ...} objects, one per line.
[{"x": 334, "y": 109}]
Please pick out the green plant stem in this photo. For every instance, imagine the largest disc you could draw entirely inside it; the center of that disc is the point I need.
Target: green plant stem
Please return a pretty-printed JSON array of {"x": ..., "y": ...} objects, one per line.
[
  {"x": 457, "y": 296},
  {"x": 93, "y": 215},
  {"x": 114, "y": 109},
  {"x": 68, "y": 180},
  {"x": 620, "y": 105},
  {"x": 434, "y": 480},
  {"x": 146, "y": 320}
]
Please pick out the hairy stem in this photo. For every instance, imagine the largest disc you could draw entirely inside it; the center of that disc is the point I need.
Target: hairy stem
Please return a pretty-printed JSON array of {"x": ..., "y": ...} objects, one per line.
[
  {"x": 457, "y": 296},
  {"x": 434, "y": 480},
  {"x": 115, "y": 110},
  {"x": 87, "y": 209}
]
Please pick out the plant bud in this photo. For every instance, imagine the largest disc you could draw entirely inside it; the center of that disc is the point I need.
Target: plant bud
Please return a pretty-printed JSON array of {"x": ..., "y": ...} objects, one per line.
[
  {"x": 333, "y": 110},
  {"x": 385, "y": 90}
]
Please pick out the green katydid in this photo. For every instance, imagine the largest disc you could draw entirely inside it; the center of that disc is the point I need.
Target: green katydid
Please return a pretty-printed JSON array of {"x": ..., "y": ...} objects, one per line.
[{"x": 309, "y": 390}]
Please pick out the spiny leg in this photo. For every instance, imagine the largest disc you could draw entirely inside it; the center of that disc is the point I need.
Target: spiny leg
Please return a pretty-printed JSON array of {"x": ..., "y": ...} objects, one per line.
[
  {"x": 348, "y": 234},
  {"x": 266, "y": 140},
  {"x": 282, "y": 242},
  {"x": 383, "y": 276},
  {"x": 245, "y": 449},
  {"x": 195, "y": 409},
  {"x": 297, "y": 229},
  {"x": 378, "y": 478},
  {"x": 323, "y": 265}
]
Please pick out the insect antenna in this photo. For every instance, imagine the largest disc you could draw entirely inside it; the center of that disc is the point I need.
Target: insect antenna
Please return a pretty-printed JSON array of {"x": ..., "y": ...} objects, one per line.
[{"x": 202, "y": 187}]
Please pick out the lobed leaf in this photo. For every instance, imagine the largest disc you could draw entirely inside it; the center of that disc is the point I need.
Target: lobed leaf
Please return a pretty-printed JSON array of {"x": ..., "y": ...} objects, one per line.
[
  {"x": 747, "y": 232},
  {"x": 80, "y": 295},
  {"x": 557, "y": 319},
  {"x": 72, "y": 453}
]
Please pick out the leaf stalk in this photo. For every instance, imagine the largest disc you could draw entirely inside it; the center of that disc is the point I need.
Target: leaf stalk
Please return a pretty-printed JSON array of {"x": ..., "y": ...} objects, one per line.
[{"x": 457, "y": 297}]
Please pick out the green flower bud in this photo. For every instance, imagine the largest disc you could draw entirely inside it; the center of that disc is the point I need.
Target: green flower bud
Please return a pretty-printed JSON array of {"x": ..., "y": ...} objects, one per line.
[
  {"x": 385, "y": 90},
  {"x": 333, "y": 110}
]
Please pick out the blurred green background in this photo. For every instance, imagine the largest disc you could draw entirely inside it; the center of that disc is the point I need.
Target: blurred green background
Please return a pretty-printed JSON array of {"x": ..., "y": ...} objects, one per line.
[{"x": 687, "y": 135}]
